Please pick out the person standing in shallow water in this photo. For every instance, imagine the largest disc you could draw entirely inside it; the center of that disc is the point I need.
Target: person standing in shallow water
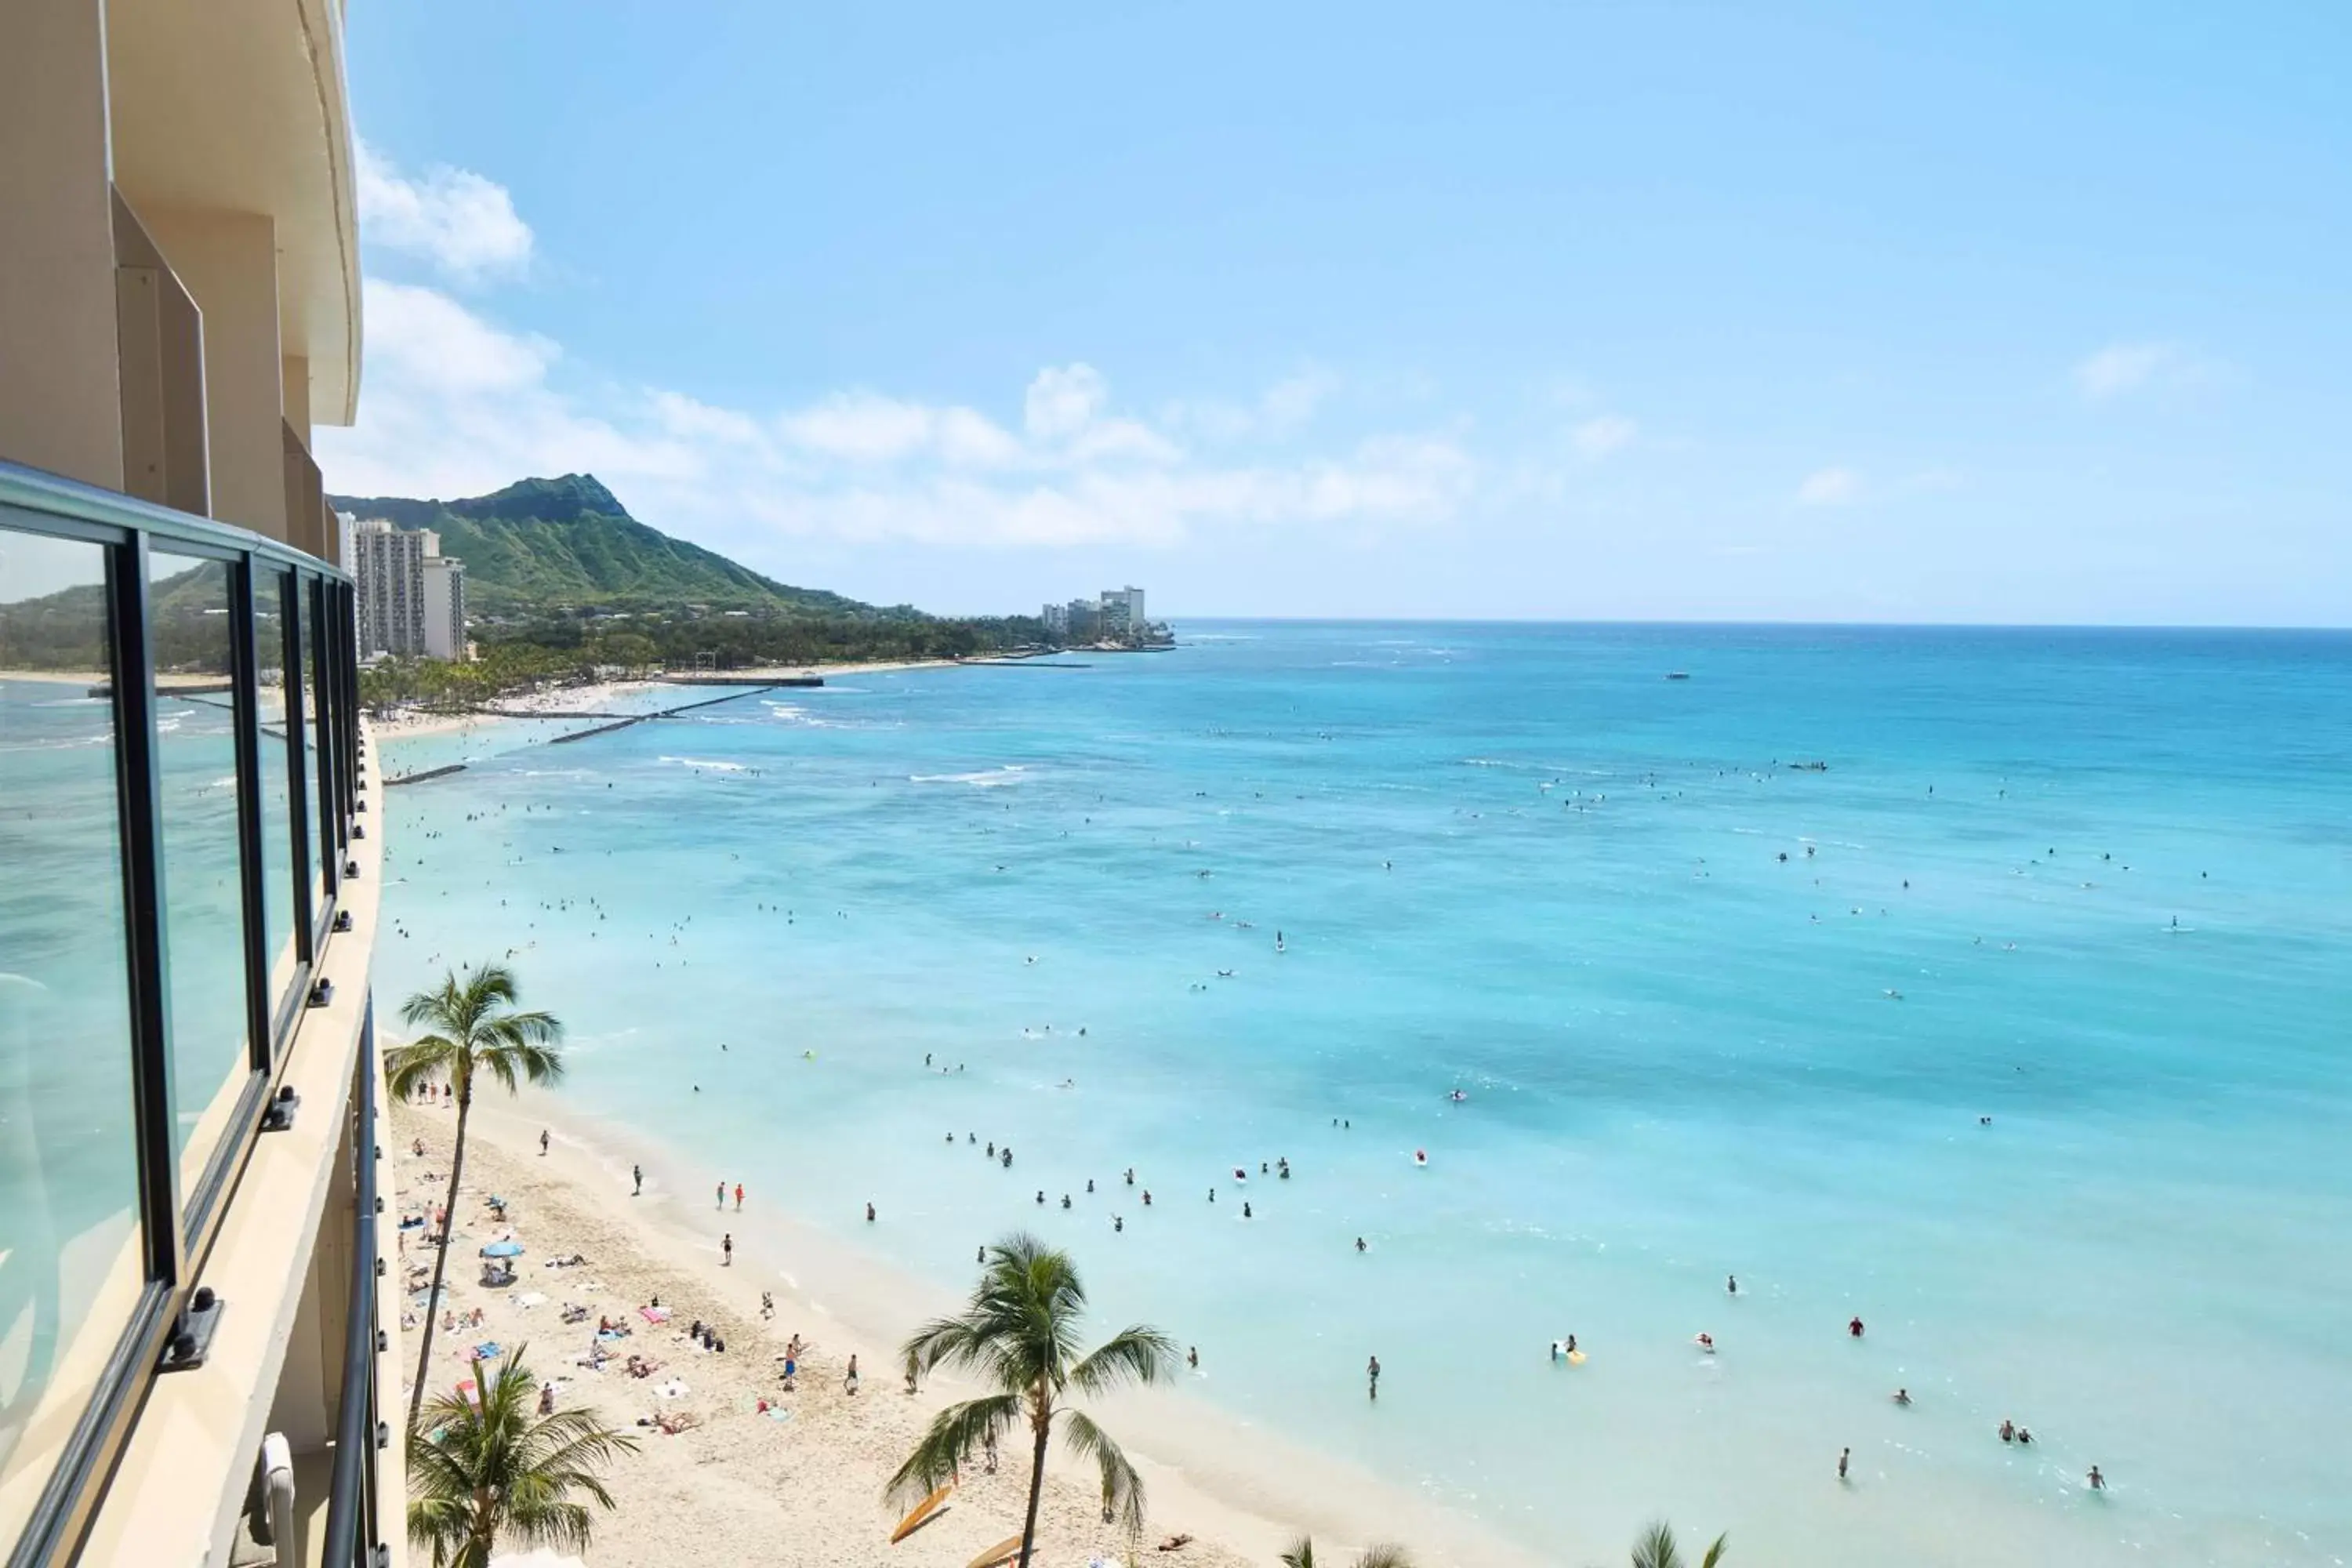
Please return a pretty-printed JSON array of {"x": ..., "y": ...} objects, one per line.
[
  {"x": 1372, "y": 1372},
  {"x": 1846, "y": 1456}
]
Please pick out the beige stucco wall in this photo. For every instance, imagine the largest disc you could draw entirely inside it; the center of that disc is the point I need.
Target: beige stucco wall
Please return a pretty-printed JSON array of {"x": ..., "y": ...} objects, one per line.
[
  {"x": 228, "y": 263},
  {"x": 59, "y": 407}
]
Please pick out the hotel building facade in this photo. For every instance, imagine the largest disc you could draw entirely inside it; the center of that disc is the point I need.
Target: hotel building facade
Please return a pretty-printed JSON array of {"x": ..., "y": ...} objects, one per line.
[{"x": 199, "y": 1344}]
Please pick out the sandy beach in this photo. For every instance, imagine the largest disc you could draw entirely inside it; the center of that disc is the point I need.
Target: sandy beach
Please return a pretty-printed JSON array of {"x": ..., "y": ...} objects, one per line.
[{"x": 804, "y": 1485}]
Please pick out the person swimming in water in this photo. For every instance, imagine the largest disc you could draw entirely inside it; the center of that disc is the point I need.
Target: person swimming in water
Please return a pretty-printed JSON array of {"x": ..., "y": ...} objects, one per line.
[
  {"x": 1731, "y": 1284},
  {"x": 2098, "y": 1482},
  {"x": 1902, "y": 1396},
  {"x": 1854, "y": 1329}
]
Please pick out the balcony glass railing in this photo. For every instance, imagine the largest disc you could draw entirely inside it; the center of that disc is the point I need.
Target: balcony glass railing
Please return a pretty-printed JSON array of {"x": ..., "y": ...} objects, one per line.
[{"x": 178, "y": 727}]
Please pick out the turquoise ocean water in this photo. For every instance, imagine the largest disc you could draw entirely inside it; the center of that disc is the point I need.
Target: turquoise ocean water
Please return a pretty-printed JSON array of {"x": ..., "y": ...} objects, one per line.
[{"x": 1713, "y": 1013}]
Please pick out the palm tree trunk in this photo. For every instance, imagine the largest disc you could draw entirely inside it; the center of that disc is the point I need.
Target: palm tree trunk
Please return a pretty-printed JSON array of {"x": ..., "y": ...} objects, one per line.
[
  {"x": 1037, "y": 1493},
  {"x": 441, "y": 1256}
]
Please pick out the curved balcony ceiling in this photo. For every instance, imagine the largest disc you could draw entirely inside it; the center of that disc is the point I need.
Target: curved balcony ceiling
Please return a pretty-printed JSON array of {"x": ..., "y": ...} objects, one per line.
[{"x": 238, "y": 106}]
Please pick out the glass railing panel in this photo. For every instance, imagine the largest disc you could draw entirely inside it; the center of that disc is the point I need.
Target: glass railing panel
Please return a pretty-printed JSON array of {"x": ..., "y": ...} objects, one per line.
[
  {"x": 204, "y": 887},
  {"x": 71, "y": 1269},
  {"x": 306, "y": 626},
  {"x": 324, "y": 765},
  {"x": 269, "y": 600}
]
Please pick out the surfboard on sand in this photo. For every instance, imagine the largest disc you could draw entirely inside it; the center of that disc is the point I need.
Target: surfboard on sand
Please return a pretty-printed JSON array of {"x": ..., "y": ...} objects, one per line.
[
  {"x": 1002, "y": 1551},
  {"x": 919, "y": 1512}
]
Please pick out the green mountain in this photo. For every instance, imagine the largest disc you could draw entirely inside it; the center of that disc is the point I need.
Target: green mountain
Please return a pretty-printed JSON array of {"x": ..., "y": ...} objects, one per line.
[{"x": 542, "y": 543}]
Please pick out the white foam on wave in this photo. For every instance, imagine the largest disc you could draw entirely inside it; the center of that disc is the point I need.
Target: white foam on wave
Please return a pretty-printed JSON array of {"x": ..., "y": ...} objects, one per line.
[
  {"x": 993, "y": 778},
  {"x": 706, "y": 762}
]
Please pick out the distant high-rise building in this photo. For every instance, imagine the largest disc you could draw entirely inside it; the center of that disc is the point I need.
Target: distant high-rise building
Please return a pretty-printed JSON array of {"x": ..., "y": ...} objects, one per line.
[
  {"x": 388, "y": 569},
  {"x": 412, "y": 598},
  {"x": 444, "y": 592},
  {"x": 1056, "y": 618},
  {"x": 1085, "y": 618},
  {"x": 1122, "y": 612}
]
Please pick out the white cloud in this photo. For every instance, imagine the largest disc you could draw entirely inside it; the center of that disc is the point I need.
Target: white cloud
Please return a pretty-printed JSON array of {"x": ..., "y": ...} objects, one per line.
[
  {"x": 1064, "y": 400},
  {"x": 2121, "y": 369},
  {"x": 860, "y": 428},
  {"x": 456, "y": 405},
  {"x": 463, "y": 224},
  {"x": 421, "y": 335},
  {"x": 1829, "y": 487},
  {"x": 1282, "y": 410},
  {"x": 1596, "y": 438}
]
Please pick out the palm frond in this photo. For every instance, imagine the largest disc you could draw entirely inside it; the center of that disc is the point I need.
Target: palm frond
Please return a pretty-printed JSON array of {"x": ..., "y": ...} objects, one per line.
[
  {"x": 408, "y": 1067},
  {"x": 1385, "y": 1554},
  {"x": 1715, "y": 1554},
  {"x": 1301, "y": 1553},
  {"x": 954, "y": 1433},
  {"x": 1138, "y": 1354},
  {"x": 1122, "y": 1486},
  {"x": 1656, "y": 1548}
]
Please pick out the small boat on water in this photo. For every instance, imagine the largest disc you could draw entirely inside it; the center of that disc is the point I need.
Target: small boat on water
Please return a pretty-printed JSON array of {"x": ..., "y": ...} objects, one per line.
[{"x": 1678, "y": 675}]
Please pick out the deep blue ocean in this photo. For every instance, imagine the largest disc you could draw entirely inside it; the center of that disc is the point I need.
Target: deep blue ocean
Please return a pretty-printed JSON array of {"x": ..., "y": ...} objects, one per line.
[{"x": 1731, "y": 969}]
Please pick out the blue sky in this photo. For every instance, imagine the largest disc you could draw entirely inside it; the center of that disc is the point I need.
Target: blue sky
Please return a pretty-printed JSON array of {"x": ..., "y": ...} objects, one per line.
[{"x": 1873, "y": 311}]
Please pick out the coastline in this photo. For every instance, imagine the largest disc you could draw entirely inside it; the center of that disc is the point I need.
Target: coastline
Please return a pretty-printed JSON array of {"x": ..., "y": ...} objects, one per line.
[
  {"x": 567, "y": 700},
  {"x": 742, "y": 1484}
]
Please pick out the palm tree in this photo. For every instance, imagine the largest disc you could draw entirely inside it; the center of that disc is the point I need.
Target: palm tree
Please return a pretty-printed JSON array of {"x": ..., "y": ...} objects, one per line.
[
  {"x": 481, "y": 1470},
  {"x": 1020, "y": 1335},
  {"x": 1656, "y": 1548},
  {"x": 1385, "y": 1555},
  {"x": 474, "y": 1031}
]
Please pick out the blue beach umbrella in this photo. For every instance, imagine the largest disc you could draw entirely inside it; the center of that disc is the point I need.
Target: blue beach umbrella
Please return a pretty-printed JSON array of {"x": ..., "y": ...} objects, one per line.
[{"x": 503, "y": 1250}]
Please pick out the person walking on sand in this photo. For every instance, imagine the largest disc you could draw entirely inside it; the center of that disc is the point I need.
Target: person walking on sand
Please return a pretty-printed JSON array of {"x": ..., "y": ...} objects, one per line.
[
  {"x": 727, "y": 1250},
  {"x": 1845, "y": 1457},
  {"x": 638, "y": 1171},
  {"x": 738, "y": 1197},
  {"x": 722, "y": 1194},
  {"x": 849, "y": 1383},
  {"x": 543, "y": 1142},
  {"x": 1372, "y": 1372}
]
